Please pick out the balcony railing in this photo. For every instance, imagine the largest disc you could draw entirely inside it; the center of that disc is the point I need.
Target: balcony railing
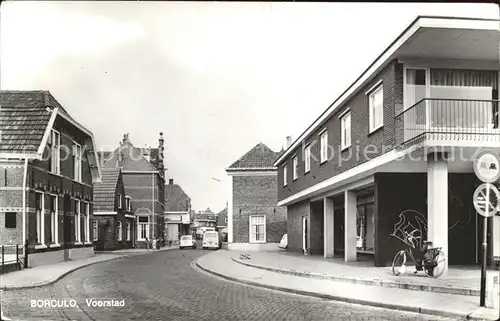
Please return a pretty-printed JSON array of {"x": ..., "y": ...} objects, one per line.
[{"x": 447, "y": 119}]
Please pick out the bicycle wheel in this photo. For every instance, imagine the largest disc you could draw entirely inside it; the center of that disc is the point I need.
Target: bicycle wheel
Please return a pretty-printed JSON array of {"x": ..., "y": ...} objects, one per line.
[
  {"x": 438, "y": 270},
  {"x": 398, "y": 263}
]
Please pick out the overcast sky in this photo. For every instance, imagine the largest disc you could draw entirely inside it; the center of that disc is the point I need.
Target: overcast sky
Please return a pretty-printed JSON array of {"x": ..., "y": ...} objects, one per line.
[{"x": 215, "y": 77}]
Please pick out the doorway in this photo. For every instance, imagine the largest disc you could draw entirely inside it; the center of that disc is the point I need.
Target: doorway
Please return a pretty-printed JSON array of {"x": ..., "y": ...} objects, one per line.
[{"x": 304, "y": 234}]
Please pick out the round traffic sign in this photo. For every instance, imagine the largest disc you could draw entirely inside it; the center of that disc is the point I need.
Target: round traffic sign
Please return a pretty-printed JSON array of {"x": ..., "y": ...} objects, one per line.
[
  {"x": 487, "y": 167},
  {"x": 486, "y": 202}
]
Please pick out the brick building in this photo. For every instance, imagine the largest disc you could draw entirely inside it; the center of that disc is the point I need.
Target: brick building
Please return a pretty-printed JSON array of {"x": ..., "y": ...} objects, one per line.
[
  {"x": 143, "y": 180},
  {"x": 222, "y": 219},
  {"x": 177, "y": 211},
  {"x": 255, "y": 221},
  {"x": 47, "y": 167},
  {"x": 114, "y": 226},
  {"x": 395, "y": 150}
]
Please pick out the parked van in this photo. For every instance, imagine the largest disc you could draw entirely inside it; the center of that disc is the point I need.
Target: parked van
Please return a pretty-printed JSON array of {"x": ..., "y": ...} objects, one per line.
[{"x": 211, "y": 240}]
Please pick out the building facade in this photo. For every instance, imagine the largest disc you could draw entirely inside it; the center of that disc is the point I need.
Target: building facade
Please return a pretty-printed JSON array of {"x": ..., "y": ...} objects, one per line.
[
  {"x": 394, "y": 153},
  {"x": 114, "y": 227},
  {"x": 255, "y": 221},
  {"x": 222, "y": 219},
  {"x": 48, "y": 164},
  {"x": 177, "y": 211},
  {"x": 144, "y": 183}
]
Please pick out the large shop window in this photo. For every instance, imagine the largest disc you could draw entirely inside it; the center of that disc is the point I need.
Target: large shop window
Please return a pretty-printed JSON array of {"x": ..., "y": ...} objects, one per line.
[
  {"x": 257, "y": 229},
  {"x": 366, "y": 223}
]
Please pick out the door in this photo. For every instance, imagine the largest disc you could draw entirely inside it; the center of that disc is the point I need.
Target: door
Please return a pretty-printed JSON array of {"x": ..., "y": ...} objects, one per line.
[{"x": 304, "y": 234}]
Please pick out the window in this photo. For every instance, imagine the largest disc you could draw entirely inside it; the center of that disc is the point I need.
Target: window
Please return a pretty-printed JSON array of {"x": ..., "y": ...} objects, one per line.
[
  {"x": 40, "y": 212},
  {"x": 119, "y": 231},
  {"x": 77, "y": 222},
  {"x": 54, "y": 233},
  {"x": 307, "y": 158},
  {"x": 119, "y": 200},
  {"x": 127, "y": 204},
  {"x": 55, "y": 151},
  {"x": 10, "y": 220},
  {"x": 77, "y": 157},
  {"x": 285, "y": 174},
  {"x": 86, "y": 222},
  {"x": 324, "y": 146},
  {"x": 128, "y": 231},
  {"x": 376, "y": 105},
  {"x": 143, "y": 227},
  {"x": 345, "y": 124},
  {"x": 295, "y": 168},
  {"x": 95, "y": 231},
  {"x": 257, "y": 229}
]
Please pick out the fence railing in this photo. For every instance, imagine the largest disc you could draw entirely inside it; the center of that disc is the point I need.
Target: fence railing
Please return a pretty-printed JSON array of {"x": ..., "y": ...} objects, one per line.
[
  {"x": 11, "y": 254},
  {"x": 448, "y": 119}
]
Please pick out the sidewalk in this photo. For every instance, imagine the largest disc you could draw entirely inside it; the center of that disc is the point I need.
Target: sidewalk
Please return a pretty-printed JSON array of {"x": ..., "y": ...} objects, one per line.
[
  {"x": 463, "y": 281},
  {"x": 221, "y": 263},
  {"x": 48, "y": 274}
]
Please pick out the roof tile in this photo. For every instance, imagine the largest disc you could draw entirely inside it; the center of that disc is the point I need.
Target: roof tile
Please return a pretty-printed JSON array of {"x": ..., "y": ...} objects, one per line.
[{"x": 259, "y": 157}]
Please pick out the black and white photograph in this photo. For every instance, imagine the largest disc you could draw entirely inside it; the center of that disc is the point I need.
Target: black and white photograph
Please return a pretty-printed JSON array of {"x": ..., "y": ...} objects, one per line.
[{"x": 234, "y": 160}]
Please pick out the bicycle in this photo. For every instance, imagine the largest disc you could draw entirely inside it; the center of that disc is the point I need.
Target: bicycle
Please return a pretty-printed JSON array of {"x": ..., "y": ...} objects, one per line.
[{"x": 432, "y": 262}]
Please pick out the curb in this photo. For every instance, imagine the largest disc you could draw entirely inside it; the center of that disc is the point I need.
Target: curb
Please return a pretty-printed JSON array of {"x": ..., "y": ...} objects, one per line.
[
  {"x": 390, "y": 306},
  {"x": 385, "y": 284}
]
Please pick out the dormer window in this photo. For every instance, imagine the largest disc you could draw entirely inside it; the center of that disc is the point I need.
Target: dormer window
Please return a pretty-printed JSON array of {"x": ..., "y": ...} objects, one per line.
[
  {"x": 128, "y": 205},
  {"x": 119, "y": 200},
  {"x": 77, "y": 161},
  {"x": 55, "y": 152}
]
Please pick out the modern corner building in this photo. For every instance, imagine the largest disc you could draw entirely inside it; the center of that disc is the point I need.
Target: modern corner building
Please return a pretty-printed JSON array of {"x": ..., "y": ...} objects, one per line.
[
  {"x": 48, "y": 164},
  {"x": 254, "y": 219},
  {"x": 393, "y": 153},
  {"x": 143, "y": 179}
]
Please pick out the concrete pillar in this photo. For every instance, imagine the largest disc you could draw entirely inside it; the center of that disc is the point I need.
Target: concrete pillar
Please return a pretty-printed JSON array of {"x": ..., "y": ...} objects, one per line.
[
  {"x": 437, "y": 202},
  {"x": 328, "y": 235},
  {"x": 230, "y": 211},
  {"x": 350, "y": 233}
]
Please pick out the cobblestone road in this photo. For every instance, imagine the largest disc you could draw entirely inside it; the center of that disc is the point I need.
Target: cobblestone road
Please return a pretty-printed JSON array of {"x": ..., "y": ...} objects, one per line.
[{"x": 164, "y": 286}]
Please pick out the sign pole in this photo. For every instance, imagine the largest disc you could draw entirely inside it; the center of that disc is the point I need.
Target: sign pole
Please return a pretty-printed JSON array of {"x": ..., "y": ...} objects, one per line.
[{"x": 484, "y": 259}]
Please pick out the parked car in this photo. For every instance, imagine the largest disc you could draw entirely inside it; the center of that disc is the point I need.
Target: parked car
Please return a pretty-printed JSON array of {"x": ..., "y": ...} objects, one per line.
[
  {"x": 211, "y": 240},
  {"x": 284, "y": 242},
  {"x": 187, "y": 241}
]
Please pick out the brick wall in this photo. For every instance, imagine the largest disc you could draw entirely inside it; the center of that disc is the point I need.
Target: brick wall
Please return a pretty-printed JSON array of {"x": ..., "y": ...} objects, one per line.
[
  {"x": 140, "y": 188},
  {"x": 257, "y": 195},
  {"x": 379, "y": 142},
  {"x": 108, "y": 233}
]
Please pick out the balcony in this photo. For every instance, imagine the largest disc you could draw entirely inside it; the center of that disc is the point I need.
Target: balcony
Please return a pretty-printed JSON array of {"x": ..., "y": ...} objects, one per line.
[{"x": 448, "y": 122}]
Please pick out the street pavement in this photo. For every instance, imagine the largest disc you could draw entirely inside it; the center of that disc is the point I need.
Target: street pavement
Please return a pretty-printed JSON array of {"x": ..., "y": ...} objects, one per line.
[{"x": 167, "y": 286}]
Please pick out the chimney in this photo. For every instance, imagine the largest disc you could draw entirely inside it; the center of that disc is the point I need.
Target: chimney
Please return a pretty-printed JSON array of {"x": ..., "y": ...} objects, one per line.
[
  {"x": 170, "y": 181},
  {"x": 125, "y": 138},
  {"x": 119, "y": 156},
  {"x": 288, "y": 141},
  {"x": 161, "y": 147}
]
